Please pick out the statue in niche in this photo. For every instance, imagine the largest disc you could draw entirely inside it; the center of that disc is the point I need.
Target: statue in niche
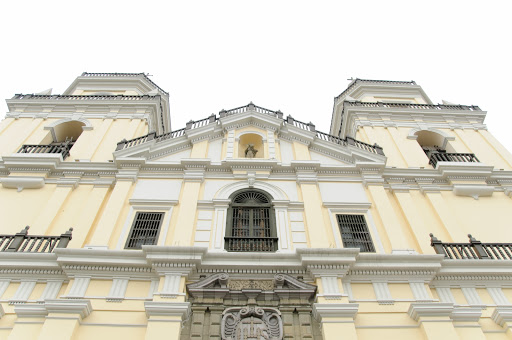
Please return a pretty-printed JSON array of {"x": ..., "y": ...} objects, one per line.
[{"x": 250, "y": 152}]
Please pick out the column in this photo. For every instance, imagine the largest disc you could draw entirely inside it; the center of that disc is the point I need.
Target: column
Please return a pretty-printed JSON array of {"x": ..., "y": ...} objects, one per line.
[
  {"x": 110, "y": 216},
  {"x": 64, "y": 317},
  {"x": 42, "y": 223},
  {"x": 392, "y": 225},
  {"x": 184, "y": 228},
  {"x": 165, "y": 318},
  {"x": 337, "y": 319},
  {"x": 448, "y": 220},
  {"x": 89, "y": 211},
  {"x": 413, "y": 217},
  {"x": 434, "y": 319}
]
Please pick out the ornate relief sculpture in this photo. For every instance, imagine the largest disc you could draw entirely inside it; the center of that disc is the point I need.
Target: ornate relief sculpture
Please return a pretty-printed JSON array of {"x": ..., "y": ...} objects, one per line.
[{"x": 251, "y": 323}]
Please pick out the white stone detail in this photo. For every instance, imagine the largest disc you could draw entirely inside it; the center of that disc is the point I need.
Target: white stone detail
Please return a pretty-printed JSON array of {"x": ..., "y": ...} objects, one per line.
[
  {"x": 219, "y": 227},
  {"x": 298, "y": 226},
  {"x": 419, "y": 291},
  {"x": 177, "y": 156},
  {"x": 51, "y": 290},
  {"x": 157, "y": 190},
  {"x": 382, "y": 293},
  {"x": 299, "y": 237},
  {"x": 347, "y": 288},
  {"x": 153, "y": 288},
  {"x": 117, "y": 290},
  {"x": 215, "y": 150},
  {"x": 271, "y": 144},
  {"x": 202, "y": 236},
  {"x": 445, "y": 295},
  {"x": 3, "y": 286},
  {"x": 343, "y": 193},
  {"x": 79, "y": 287},
  {"x": 204, "y": 225},
  {"x": 330, "y": 285},
  {"x": 171, "y": 286},
  {"x": 231, "y": 144},
  {"x": 296, "y": 216},
  {"x": 23, "y": 292},
  {"x": 205, "y": 215},
  {"x": 286, "y": 152},
  {"x": 471, "y": 296},
  {"x": 497, "y": 296}
]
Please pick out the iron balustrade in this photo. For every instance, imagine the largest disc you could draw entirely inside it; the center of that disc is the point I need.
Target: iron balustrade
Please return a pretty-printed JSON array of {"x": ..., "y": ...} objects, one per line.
[
  {"x": 473, "y": 250},
  {"x": 24, "y": 243},
  {"x": 256, "y": 244},
  {"x": 62, "y": 148},
  {"x": 414, "y": 106},
  {"x": 435, "y": 156}
]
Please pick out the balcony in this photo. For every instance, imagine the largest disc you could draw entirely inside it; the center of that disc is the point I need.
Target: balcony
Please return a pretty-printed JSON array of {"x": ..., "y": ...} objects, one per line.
[
  {"x": 435, "y": 156},
  {"x": 60, "y": 147},
  {"x": 24, "y": 243},
  {"x": 245, "y": 244},
  {"x": 474, "y": 250}
]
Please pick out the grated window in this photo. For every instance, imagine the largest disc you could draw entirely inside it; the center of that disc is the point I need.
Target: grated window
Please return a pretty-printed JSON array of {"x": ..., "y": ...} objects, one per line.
[
  {"x": 355, "y": 233},
  {"x": 145, "y": 229}
]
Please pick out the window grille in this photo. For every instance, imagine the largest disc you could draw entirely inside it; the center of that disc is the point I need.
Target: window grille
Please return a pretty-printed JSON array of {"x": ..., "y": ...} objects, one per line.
[
  {"x": 355, "y": 233},
  {"x": 251, "y": 223},
  {"x": 145, "y": 229}
]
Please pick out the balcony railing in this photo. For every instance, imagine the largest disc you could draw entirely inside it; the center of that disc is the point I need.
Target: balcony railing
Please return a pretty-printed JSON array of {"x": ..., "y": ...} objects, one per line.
[
  {"x": 24, "y": 243},
  {"x": 257, "y": 244},
  {"x": 62, "y": 148},
  {"x": 212, "y": 119},
  {"x": 451, "y": 157},
  {"x": 473, "y": 250}
]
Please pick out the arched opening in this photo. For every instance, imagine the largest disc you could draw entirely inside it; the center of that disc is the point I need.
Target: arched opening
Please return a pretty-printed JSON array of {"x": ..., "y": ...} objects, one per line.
[
  {"x": 251, "y": 222},
  {"x": 251, "y": 146},
  {"x": 433, "y": 143},
  {"x": 67, "y": 131}
]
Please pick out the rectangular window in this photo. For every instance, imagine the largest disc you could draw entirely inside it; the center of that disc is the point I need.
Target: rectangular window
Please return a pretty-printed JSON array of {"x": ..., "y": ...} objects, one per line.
[
  {"x": 355, "y": 233},
  {"x": 145, "y": 229}
]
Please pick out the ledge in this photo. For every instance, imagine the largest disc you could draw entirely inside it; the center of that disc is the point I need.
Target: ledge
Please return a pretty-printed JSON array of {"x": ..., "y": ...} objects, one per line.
[
  {"x": 81, "y": 307},
  {"x": 157, "y": 308},
  {"x": 439, "y": 309},
  {"x": 335, "y": 310},
  {"x": 21, "y": 183}
]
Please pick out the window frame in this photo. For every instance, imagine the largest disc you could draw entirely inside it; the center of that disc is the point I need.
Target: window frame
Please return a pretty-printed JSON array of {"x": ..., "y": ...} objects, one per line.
[
  {"x": 252, "y": 206},
  {"x": 132, "y": 229},
  {"x": 369, "y": 241}
]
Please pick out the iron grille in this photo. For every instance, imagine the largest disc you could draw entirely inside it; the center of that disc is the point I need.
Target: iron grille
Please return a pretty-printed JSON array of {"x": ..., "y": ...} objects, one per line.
[
  {"x": 355, "y": 233},
  {"x": 145, "y": 229},
  {"x": 252, "y": 225}
]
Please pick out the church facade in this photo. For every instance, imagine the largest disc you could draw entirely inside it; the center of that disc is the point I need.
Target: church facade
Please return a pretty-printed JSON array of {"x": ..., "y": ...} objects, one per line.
[{"x": 250, "y": 224}]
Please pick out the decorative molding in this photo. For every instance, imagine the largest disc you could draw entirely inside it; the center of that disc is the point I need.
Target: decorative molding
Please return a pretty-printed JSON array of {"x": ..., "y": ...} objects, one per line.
[
  {"x": 79, "y": 287},
  {"x": 466, "y": 314},
  {"x": 382, "y": 293},
  {"x": 430, "y": 309},
  {"x": 30, "y": 310},
  {"x": 81, "y": 307},
  {"x": 502, "y": 315},
  {"x": 23, "y": 292},
  {"x": 498, "y": 296},
  {"x": 158, "y": 308},
  {"x": 323, "y": 311},
  {"x": 117, "y": 290},
  {"x": 21, "y": 183}
]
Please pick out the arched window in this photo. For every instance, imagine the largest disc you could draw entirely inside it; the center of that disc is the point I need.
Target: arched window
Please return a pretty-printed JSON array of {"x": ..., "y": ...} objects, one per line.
[{"x": 251, "y": 223}]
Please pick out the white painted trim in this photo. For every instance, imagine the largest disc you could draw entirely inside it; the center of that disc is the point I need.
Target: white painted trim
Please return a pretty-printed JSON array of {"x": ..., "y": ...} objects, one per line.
[
  {"x": 23, "y": 292},
  {"x": 274, "y": 191}
]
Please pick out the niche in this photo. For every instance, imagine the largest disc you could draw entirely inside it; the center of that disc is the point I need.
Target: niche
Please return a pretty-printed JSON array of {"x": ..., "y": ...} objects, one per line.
[
  {"x": 250, "y": 145},
  {"x": 432, "y": 141}
]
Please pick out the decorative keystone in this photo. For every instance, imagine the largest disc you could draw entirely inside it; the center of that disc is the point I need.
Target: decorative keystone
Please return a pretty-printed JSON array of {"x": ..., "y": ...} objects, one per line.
[
  {"x": 335, "y": 310},
  {"x": 440, "y": 309}
]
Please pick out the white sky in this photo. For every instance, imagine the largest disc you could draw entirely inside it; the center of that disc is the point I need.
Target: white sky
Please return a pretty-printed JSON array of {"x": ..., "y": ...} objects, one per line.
[{"x": 295, "y": 56}]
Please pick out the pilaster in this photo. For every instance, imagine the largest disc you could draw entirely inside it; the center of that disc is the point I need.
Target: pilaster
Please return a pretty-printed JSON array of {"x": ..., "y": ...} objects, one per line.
[
  {"x": 336, "y": 319},
  {"x": 502, "y": 315},
  {"x": 63, "y": 319},
  {"x": 434, "y": 319},
  {"x": 165, "y": 319}
]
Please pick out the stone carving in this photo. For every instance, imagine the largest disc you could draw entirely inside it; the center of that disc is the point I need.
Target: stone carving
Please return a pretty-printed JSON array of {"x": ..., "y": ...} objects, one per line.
[
  {"x": 251, "y": 323},
  {"x": 251, "y": 284},
  {"x": 250, "y": 152}
]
